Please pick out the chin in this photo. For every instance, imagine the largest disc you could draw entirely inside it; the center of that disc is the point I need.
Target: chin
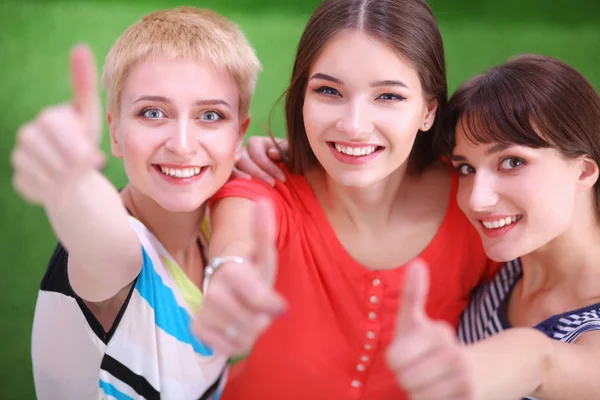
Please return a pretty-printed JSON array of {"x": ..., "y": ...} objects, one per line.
[
  {"x": 357, "y": 179},
  {"x": 501, "y": 253},
  {"x": 182, "y": 204}
]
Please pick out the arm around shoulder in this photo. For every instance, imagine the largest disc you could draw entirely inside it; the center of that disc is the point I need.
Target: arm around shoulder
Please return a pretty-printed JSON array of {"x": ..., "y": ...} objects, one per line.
[
  {"x": 231, "y": 222},
  {"x": 524, "y": 361}
]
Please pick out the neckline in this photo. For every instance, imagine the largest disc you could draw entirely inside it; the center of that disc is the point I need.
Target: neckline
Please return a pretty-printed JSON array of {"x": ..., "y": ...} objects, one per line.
[
  {"x": 545, "y": 325},
  {"x": 191, "y": 294},
  {"x": 428, "y": 254}
]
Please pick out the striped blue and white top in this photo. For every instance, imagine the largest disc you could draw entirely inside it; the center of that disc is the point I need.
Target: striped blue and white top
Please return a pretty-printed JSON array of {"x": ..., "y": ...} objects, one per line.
[
  {"x": 485, "y": 316},
  {"x": 149, "y": 353}
]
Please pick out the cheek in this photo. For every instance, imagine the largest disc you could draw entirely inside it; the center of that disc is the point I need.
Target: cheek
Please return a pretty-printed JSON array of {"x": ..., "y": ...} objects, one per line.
[
  {"x": 402, "y": 124},
  {"x": 317, "y": 116},
  {"x": 136, "y": 144},
  {"x": 554, "y": 207},
  {"x": 549, "y": 204},
  {"x": 221, "y": 145}
]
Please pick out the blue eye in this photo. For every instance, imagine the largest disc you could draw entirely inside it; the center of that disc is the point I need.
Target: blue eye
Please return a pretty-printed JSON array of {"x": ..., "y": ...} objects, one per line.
[
  {"x": 152, "y": 113},
  {"x": 511, "y": 163},
  {"x": 211, "y": 116},
  {"x": 391, "y": 97},
  {"x": 326, "y": 90},
  {"x": 465, "y": 169}
]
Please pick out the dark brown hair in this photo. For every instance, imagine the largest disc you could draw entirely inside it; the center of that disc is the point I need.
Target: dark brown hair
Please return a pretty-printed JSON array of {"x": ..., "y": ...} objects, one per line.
[
  {"x": 533, "y": 101},
  {"x": 407, "y": 26}
]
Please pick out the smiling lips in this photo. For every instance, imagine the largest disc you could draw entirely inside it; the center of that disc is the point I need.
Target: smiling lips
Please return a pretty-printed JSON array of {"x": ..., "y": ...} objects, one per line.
[
  {"x": 180, "y": 172},
  {"x": 180, "y": 175},
  {"x": 499, "y": 226},
  {"x": 500, "y": 222},
  {"x": 354, "y": 154},
  {"x": 355, "y": 151}
]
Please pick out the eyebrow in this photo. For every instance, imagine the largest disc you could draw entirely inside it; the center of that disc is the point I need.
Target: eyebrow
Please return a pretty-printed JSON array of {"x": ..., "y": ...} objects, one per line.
[
  {"x": 386, "y": 82},
  {"x": 326, "y": 77},
  {"x": 389, "y": 82},
  {"x": 497, "y": 148},
  {"x": 163, "y": 99}
]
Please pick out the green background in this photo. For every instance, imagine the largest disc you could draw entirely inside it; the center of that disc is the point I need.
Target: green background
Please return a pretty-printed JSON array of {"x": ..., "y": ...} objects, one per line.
[{"x": 35, "y": 39}]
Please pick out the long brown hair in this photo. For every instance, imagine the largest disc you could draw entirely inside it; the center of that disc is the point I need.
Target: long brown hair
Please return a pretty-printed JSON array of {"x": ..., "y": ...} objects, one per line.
[
  {"x": 533, "y": 101},
  {"x": 407, "y": 26}
]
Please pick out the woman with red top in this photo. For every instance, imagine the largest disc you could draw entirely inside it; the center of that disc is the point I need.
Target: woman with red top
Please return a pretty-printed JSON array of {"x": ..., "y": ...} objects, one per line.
[{"x": 364, "y": 194}]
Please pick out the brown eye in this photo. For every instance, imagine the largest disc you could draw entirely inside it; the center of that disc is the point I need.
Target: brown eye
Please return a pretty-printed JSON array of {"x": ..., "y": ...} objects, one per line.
[
  {"x": 465, "y": 169},
  {"x": 511, "y": 163}
]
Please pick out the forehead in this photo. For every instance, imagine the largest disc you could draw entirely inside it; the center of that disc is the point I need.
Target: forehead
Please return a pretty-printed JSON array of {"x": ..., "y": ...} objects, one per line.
[
  {"x": 354, "y": 56},
  {"x": 468, "y": 148},
  {"x": 180, "y": 79},
  {"x": 467, "y": 141}
]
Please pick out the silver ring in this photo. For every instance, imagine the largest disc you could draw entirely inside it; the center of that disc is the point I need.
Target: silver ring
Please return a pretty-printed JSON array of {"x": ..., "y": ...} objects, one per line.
[
  {"x": 214, "y": 265},
  {"x": 231, "y": 332}
]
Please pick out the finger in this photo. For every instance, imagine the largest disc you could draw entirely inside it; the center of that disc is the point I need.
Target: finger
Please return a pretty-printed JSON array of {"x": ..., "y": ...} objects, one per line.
[
  {"x": 237, "y": 173},
  {"x": 225, "y": 309},
  {"x": 417, "y": 344},
  {"x": 30, "y": 170},
  {"x": 84, "y": 82},
  {"x": 274, "y": 154},
  {"x": 415, "y": 290},
  {"x": 258, "y": 154},
  {"x": 453, "y": 385},
  {"x": 213, "y": 338},
  {"x": 265, "y": 251},
  {"x": 28, "y": 188},
  {"x": 245, "y": 335},
  {"x": 34, "y": 142},
  {"x": 438, "y": 364},
  {"x": 248, "y": 166},
  {"x": 252, "y": 289},
  {"x": 284, "y": 149},
  {"x": 67, "y": 133}
]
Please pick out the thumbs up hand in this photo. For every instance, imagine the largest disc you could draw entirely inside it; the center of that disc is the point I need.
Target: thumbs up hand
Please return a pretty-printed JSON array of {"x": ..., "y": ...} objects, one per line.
[
  {"x": 240, "y": 302},
  {"x": 62, "y": 144},
  {"x": 425, "y": 355}
]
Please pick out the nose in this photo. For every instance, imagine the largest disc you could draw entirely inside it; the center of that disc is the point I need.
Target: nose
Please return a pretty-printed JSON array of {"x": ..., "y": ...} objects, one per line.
[
  {"x": 183, "y": 139},
  {"x": 355, "y": 119},
  {"x": 484, "y": 194}
]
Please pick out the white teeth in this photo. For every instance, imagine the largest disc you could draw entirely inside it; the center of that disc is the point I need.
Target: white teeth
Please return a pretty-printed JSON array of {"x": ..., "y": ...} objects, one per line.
[
  {"x": 499, "y": 223},
  {"x": 355, "y": 151},
  {"x": 180, "y": 173}
]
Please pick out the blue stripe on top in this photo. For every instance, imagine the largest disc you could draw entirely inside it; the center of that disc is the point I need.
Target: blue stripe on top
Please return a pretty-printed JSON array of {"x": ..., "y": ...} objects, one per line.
[
  {"x": 112, "y": 391},
  {"x": 169, "y": 316}
]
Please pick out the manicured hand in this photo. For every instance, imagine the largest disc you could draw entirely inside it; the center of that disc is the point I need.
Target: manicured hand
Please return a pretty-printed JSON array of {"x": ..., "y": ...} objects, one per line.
[
  {"x": 259, "y": 159},
  {"x": 241, "y": 303}
]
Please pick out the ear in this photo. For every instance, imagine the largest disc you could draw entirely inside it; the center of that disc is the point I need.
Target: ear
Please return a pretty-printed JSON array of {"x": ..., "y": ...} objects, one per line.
[
  {"x": 112, "y": 130},
  {"x": 588, "y": 173},
  {"x": 429, "y": 117},
  {"x": 242, "y": 133}
]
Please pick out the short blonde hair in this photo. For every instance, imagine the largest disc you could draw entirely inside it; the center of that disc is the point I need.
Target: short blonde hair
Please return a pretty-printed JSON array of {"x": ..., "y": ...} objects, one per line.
[{"x": 182, "y": 33}]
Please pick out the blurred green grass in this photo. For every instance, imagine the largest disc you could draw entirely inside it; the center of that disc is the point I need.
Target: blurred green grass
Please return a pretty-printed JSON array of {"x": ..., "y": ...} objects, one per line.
[{"x": 36, "y": 38}]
